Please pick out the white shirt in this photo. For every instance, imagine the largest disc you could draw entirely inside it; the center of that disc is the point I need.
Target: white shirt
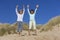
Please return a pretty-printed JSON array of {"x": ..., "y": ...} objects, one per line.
[
  {"x": 20, "y": 16},
  {"x": 32, "y": 16}
]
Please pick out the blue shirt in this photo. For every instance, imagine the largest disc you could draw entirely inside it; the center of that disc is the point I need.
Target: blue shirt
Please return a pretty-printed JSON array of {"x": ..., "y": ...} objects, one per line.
[{"x": 32, "y": 16}]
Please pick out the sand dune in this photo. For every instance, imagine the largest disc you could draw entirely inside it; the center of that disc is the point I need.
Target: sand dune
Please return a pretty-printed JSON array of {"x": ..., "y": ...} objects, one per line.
[{"x": 49, "y": 35}]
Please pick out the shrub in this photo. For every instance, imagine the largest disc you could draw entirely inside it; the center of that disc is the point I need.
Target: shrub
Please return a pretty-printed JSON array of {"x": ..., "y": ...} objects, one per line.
[{"x": 49, "y": 26}]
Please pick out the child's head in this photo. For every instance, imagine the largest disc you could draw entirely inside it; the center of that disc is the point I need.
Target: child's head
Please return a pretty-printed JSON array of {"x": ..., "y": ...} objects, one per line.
[
  {"x": 32, "y": 11},
  {"x": 21, "y": 12}
]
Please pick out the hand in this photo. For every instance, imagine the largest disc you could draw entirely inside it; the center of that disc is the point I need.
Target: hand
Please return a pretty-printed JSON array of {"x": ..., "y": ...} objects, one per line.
[
  {"x": 16, "y": 6},
  {"x": 37, "y": 6},
  {"x": 27, "y": 6}
]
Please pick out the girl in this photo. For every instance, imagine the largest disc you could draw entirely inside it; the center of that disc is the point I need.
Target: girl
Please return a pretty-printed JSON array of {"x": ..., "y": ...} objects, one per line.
[
  {"x": 20, "y": 15},
  {"x": 32, "y": 18}
]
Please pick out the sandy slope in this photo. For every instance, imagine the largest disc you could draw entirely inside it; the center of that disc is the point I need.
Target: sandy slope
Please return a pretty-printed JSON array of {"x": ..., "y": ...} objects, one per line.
[{"x": 49, "y": 35}]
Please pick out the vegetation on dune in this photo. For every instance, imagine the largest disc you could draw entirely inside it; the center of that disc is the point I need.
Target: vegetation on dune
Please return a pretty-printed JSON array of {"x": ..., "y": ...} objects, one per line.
[
  {"x": 12, "y": 28},
  {"x": 52, "y": 22}
]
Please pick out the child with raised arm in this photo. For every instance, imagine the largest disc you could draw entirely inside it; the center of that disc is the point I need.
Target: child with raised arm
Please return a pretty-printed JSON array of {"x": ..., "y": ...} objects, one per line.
[
  {"x": 32, "y": 22},
  {"x": 20, "y": 15}
]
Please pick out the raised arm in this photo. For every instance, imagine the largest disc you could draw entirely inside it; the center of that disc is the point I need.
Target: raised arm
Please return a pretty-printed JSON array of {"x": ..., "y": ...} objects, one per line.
[
  {"x": 16, "y": 9},
  {"x": 36, "y": 8},
  {"x": 28, "y": 9}
]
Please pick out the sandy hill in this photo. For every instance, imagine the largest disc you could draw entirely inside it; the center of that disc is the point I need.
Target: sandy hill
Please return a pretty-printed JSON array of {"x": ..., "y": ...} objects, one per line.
[
  {"x": 47, "y": 35},
  {"x": 48, "y": 31}
]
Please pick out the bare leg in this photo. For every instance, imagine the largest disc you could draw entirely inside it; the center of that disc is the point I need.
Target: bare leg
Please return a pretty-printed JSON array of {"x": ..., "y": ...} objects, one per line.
[
  {"x": 29, "y": 32},
  {"x": 35, "y": 32},
  {"x": 19, "y": 33},
  {"x": 30, "y": 26}
]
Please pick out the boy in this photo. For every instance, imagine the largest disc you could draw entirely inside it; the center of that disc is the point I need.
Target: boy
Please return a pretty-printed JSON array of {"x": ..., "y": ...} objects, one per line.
[
  {"x": 32, "y": 18},
  {"x": 20, "y": 15}
]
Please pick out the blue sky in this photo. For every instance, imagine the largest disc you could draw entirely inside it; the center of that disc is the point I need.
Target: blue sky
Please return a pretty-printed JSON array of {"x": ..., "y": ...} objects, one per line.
[{"x": 47, "y": 9}]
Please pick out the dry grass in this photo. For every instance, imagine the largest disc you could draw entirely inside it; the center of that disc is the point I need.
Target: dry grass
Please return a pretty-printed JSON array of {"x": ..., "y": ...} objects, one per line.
[
  {"x": 52, "y": 22},
  {"x": 48, "y": 35},
  {"x": 11, "y": 28}
]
